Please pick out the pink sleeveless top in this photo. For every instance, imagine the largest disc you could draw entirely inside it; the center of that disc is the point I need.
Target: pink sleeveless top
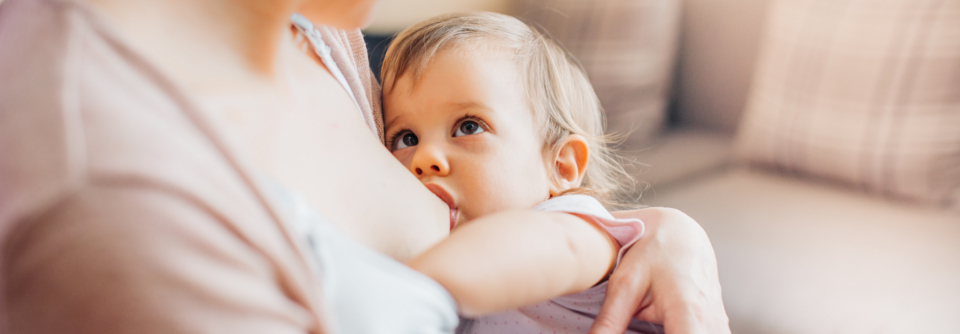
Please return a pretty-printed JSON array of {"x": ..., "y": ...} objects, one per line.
[{"x": 572, "y": 313}]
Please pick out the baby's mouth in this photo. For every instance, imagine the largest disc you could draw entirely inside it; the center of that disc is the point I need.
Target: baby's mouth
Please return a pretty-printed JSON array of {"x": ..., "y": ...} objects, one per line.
[
  {"x": 446, "y": 198},
  {"x": 453, "y": 217}
]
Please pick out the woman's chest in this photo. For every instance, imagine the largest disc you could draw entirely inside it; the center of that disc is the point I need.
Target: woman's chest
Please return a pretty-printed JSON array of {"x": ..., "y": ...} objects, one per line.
[{"x": 316, "y": 142}]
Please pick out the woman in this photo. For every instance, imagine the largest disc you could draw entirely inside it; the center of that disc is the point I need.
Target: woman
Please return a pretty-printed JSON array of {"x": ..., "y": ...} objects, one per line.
[{"x": 135, "y": 138}]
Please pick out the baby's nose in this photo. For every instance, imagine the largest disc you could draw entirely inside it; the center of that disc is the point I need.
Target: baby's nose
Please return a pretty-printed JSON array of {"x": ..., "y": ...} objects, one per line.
[
  {"x": 429, "y": 161},
  {"x": 435, "y": 168}
]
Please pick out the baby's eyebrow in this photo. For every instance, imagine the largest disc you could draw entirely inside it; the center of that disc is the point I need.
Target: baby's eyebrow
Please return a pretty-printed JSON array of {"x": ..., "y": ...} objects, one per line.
[
  {"x": 391, "y": 122},
  {"x": 469, "y": 105}
]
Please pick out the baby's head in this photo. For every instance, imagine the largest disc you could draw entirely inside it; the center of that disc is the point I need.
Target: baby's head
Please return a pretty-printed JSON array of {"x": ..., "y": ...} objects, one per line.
[{"x": 491, "y": 115}]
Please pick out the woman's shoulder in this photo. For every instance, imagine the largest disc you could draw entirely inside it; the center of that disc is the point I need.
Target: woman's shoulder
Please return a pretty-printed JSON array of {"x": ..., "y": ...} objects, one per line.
[
  {"x": 39, "y": 102},
  {"x": 68, "y": 95},
  {"x": 79, "y": 110}
]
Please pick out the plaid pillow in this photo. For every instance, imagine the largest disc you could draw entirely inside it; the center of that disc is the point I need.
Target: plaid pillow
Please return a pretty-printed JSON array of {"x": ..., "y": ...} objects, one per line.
[
  {"x": 862, "y": 91},
  {"x": 627, "y": 49}
]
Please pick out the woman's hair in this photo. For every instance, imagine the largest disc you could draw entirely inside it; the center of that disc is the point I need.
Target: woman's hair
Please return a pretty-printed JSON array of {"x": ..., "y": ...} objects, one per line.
[{"x": 560, "y": 95}]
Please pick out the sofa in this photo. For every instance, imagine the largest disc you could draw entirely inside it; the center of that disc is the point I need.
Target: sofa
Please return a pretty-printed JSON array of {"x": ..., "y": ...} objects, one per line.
[
  {"x": 798, "y": 251},
  {"x": 816, "y": 141}
]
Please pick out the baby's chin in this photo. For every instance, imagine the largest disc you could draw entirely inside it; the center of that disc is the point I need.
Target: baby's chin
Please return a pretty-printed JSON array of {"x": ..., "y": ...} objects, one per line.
[
  {"x": 466, "y": 215},
  {"x": 460, "y": 221},
  {"x": 463, "y": 218}
]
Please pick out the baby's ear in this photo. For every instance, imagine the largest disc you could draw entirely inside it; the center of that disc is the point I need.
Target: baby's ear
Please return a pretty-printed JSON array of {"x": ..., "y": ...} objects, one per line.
[{"x": 570, "y": 163}]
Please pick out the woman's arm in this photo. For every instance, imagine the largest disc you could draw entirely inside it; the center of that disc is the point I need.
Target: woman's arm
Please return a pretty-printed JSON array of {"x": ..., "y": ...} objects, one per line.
[
  {"x": 669, "y": 277},
  {"x": 518, "y": 258},
  {"x": 124, "y": 259}
]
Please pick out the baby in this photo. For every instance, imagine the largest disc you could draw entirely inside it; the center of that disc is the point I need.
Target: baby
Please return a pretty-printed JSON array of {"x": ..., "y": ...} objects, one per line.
[{"x": 492, "y": 116}]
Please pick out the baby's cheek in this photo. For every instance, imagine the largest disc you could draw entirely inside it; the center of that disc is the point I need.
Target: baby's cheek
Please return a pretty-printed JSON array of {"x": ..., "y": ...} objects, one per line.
[
  {"x": 478, "y": 198},
  {"x": 514, "y": 192},
  {"x": 404, "y": 157}
]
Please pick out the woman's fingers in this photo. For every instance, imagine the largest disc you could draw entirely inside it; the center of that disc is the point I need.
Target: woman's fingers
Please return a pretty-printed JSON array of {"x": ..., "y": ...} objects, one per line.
[
  {"x": 695, "y": 304},
  {"x": 626, "y": 291},
  {"x": 669, "y": 277}
]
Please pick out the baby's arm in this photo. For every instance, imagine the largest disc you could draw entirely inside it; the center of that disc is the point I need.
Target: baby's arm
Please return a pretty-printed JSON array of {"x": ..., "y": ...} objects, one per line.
[{"x": 517, "y": 258}]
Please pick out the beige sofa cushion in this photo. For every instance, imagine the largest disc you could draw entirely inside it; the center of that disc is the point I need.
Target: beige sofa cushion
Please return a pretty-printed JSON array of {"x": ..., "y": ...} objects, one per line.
[
  {"x": 863, "y": 91},
  {"x": 627, "y": 49},
  {"x": 802, "y": 257}
]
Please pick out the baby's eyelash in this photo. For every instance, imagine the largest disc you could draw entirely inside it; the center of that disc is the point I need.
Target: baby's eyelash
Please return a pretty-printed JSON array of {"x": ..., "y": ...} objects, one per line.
[
  {"x": 392, "y": 142},
  {"x": 471, "y": 117}
]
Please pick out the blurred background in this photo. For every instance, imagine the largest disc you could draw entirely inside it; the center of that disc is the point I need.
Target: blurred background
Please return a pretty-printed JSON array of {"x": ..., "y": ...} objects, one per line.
[{"x": 816, "y": 141}]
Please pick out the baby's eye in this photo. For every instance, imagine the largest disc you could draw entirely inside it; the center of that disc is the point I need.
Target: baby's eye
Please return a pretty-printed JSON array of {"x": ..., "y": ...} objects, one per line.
[
  {"x": 467, "y": 128},
  {"x": 406, "y": 140}
]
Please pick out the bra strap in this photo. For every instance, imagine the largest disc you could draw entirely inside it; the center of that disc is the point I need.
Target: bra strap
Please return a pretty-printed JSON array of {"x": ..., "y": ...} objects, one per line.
[{"x": 322, "y": 50}]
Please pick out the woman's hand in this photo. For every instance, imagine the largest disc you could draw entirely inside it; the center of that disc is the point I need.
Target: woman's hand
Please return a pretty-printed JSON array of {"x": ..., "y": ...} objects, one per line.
[{"x": 669, "y": 277}]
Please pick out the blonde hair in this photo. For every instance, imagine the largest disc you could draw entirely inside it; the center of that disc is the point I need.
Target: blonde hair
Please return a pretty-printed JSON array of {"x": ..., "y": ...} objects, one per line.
[{"x": 560, "y": 95}]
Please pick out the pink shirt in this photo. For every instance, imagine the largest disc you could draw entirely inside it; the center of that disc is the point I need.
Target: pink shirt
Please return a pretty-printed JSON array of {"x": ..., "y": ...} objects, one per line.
[
  {"x": 571, "y": 313},
  {"x": 123, "y": 207}
]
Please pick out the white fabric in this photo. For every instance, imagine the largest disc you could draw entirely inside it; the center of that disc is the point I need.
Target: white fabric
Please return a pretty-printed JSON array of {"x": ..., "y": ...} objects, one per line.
[{"x": 368, "y": 292}]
